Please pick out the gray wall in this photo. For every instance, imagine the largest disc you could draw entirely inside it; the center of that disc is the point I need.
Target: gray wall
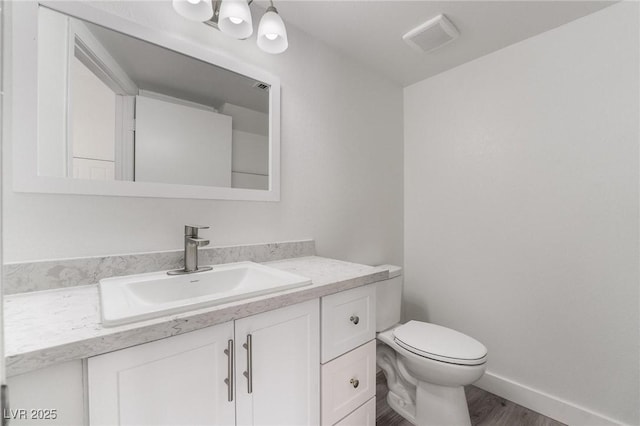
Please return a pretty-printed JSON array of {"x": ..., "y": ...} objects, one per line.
[
  {"x": 341, "y": 168},
  {"x": 521, "y": 212}
]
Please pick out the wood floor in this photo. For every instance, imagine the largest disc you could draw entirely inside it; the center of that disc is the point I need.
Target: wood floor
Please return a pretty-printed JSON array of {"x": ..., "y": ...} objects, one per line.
[{"x": 485, "y": 409}]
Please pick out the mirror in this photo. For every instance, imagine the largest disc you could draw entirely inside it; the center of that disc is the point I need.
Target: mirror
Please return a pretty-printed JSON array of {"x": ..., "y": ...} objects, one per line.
[{"x": 128, "y": 111}]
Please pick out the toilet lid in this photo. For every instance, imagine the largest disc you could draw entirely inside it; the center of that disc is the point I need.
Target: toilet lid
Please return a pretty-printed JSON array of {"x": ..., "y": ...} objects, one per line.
[{"x": 440, "y": 343}]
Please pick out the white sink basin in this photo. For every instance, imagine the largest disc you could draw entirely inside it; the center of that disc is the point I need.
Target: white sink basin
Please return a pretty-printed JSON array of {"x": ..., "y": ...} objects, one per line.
[{"x": 138, "y": 297}]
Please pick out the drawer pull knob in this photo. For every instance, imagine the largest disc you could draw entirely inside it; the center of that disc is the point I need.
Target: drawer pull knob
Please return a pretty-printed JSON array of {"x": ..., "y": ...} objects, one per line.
[
  {"x": 355, "y": 319},
  {"x": 355, "y": 383}
]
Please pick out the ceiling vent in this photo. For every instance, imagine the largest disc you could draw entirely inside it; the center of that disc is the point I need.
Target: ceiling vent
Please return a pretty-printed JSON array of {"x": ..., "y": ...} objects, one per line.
[
  {"x": 261, "y": 86},
  {"x": 431, "y": 35}
]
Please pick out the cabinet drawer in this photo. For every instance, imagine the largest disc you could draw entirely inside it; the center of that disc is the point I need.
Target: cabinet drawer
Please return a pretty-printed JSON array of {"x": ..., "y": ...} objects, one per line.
[
  {"x": 363, "y": 416},
  {"x": 348, "y": 382},
  {"x": 348, "y": 321}
]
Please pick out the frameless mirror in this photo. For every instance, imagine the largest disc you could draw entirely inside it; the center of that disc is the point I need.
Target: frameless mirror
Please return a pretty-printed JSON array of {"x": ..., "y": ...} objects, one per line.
[{"x": 127, "y": 110}]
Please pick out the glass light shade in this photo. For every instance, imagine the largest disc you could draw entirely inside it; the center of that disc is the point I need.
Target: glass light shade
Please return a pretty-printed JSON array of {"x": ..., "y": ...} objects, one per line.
[
  {"x": 235, "y": 19},
  {"x": 272, "y": 34},
  {"x": 194, "y": 10}
]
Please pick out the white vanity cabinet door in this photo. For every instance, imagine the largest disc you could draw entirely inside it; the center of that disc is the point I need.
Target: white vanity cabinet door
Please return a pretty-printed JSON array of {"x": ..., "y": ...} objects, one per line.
[
  {"x": 285, "y": 367},
  {"x": 174, "y": 381}
]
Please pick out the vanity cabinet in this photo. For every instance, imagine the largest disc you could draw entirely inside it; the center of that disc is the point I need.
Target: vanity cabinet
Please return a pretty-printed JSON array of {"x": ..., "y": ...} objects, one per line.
[
  {"x": 285, "y": 359},
  {"x": 179, "y": 380},
  {"x": 261, "y": 369},
  {"x": 349, "y": 357}
]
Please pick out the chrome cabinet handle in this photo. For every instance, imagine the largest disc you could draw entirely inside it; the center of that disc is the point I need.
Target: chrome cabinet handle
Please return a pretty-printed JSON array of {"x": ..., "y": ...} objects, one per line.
[
  {"x": 355, "y": 382},
  {"x": 355, "y": 319},
  {"x": 229, "y": 380},
  {"x": 249, "y": 373}
]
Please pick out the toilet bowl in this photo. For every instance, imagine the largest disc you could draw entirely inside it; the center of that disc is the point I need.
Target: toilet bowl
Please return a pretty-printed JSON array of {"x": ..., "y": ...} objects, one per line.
[{"x": 426, "y": 365}]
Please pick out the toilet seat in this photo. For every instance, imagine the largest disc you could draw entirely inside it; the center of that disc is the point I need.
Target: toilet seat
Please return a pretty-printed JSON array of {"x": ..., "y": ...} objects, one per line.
[{"x": 440, "y": 343}]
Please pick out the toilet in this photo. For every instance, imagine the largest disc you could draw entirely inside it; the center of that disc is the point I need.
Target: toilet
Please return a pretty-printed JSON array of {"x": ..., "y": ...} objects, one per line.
[{"x": 426, "y": 365}]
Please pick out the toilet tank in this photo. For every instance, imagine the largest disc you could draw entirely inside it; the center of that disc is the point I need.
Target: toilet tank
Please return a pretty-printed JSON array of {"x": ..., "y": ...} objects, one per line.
[{"x": 389, "y": 298}]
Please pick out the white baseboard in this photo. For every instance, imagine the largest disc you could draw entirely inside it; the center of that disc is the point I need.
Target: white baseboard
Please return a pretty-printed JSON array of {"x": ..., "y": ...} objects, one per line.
[{"x": 543, "y": 403}]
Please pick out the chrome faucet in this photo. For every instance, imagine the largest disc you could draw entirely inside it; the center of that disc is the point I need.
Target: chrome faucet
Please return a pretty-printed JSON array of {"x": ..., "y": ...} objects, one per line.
[{"x": 191, "y": 244}]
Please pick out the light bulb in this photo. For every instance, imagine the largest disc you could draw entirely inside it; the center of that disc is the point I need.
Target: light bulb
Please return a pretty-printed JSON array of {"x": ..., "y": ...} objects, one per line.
[
  {"x": 271, "y": 36},
  {"x": 235, "y": 20}
]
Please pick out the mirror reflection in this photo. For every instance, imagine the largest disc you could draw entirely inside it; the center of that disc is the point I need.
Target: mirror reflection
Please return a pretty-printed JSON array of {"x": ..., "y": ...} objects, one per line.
[{"x": 113, "y": 107}]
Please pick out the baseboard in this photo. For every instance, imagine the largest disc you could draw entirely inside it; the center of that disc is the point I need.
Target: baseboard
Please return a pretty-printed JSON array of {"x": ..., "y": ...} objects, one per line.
[{"x": 548, "y": 405}]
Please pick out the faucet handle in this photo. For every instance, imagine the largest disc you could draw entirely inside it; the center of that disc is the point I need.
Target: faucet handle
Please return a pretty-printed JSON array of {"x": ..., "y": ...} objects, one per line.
[
  {"x": 192, "y": 230},
  {"x": 200, "y": 242}
]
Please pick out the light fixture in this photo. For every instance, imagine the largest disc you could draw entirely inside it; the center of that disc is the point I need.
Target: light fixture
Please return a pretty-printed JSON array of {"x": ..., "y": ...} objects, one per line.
[
  {"x": 233, "y": 17},
  {"x": 272, "y": 35},
  {"x": 194, "y": 10}
]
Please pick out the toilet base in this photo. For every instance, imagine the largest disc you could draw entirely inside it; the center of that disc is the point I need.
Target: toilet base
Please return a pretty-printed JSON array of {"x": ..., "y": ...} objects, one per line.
[
  {"x": 401, "y": 395},
  {"x": 400, "y": 406},
  {"x": 441, "y": 405}
]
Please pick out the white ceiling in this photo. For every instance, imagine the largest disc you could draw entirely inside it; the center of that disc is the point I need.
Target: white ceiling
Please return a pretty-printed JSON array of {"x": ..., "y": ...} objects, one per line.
[
  {"x": 186, "y": 78},
  {"x": 371, "y": 31}
]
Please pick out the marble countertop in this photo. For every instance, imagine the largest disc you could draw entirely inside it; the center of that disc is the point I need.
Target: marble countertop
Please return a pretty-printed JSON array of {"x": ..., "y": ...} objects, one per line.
[{"x": 49, "y": 327}]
